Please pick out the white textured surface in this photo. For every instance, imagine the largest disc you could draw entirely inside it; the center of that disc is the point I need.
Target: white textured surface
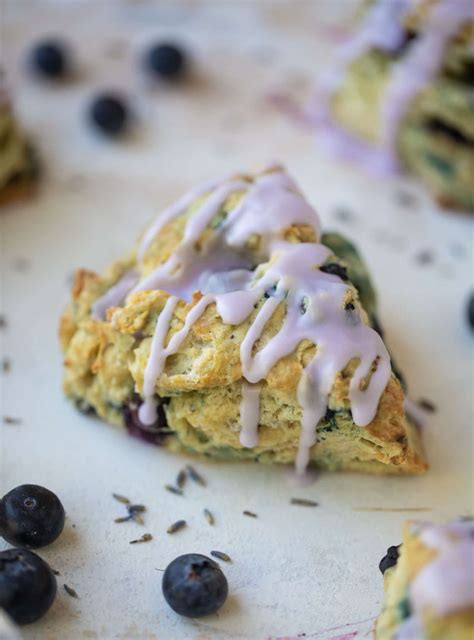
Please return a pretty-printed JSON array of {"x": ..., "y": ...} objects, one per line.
[{"x": 294, "y": 570}]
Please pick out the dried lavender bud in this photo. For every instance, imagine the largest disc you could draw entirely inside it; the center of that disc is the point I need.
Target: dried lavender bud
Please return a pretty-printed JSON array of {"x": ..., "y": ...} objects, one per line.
[
  {"x": 221, "y": 555},
  {"x": 176, "y": 526}
]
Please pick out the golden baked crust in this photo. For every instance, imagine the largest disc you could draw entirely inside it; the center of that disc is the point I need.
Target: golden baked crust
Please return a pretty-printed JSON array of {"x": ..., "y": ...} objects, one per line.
[
  {"x": 18, "y": 162},
  {"x": 200, "y": 386},
  {"x": 20, "y": 189},
  {"x": 445, "y": 610}
]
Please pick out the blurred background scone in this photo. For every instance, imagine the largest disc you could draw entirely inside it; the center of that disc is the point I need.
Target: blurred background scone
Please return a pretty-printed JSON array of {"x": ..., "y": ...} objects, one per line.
[
  {"x": 18, "y": 164},
  {"x": 429, "y": 584},
  {"x": 400, "y": 92}
]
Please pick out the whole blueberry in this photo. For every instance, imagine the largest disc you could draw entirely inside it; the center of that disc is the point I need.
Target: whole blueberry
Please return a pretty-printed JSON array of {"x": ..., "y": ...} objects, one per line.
[
  {"x": 165, "y": 60},
  {"x": 110, "y": 114},
  {"x": 27, "y": 585},
  {"x": 470, "y": 311},
  {"x": 50, "y": 58},
  {"x": 194, "y": 585},
  {"x": 389, "y": 560},
  {"x": 31, "y": 516}
]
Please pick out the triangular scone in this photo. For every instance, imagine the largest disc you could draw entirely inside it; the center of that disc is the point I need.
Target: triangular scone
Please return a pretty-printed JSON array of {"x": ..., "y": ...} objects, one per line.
[
  {"x": 235, "y": 330},
  {"x": 429, "y": 588},
  {"x": 18, "y": 164}
]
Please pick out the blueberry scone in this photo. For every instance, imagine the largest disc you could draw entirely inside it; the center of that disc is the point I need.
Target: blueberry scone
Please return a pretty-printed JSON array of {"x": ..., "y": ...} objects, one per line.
[
  {"x": 429, "y": 584},
  {"x": 234, "y": 329},
  {"x": 18, "y": 166},
  {"x": 400, "y": 93}
]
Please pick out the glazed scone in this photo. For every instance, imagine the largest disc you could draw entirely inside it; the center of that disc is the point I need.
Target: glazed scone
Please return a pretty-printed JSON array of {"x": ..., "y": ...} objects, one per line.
[
  {"x": 18, "y": 166},
  {"x": 233, "y": 330},
  {"x": 401, "y": 94},
  {"x": 429, "y": 588}
]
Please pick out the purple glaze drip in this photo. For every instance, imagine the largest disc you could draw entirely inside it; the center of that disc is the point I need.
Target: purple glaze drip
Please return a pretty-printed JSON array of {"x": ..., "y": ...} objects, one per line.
[{"x": 115, "y": 295}]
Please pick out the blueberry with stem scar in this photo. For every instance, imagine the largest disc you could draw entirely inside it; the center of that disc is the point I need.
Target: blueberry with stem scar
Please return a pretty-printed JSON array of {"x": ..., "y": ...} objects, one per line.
[
  {"x": 31, "y": 516},
  {"x": 194, "y": 585}
]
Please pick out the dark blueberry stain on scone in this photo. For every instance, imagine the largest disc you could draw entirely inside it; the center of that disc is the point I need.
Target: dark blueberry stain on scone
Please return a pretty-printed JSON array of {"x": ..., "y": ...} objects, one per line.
[
  {"x": 438, "y": 126},
  {"x": 390, "y": 559},
  {"x": 404, "y": 608},
  {"x": 154, "y": 434},
  {"x": 335, "y": 269}
]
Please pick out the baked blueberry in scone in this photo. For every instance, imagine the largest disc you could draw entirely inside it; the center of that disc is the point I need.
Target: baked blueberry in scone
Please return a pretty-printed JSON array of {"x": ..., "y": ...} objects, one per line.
[
  {"x": 429, "y": 587},
  {"x": 18, "y": 164},
  {"x": 400, "y": 93},
  {"x": 234, "y": 329}
]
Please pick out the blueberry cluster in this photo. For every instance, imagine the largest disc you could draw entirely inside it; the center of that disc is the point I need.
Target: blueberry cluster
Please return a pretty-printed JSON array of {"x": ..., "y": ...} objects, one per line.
[
  {"x": 109, "y": 112},
  {"x": 30, "y": 516}
]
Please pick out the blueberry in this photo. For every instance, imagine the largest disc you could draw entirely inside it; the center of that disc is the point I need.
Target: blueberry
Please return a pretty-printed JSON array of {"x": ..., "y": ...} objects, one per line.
[
  {"x": 335, "y": 270},
  {"x": 27, "y": 585},
  {"x": 470, "y": 311},
  {"x": 166, "y": 61},
  {"x": 389, "y": 560},
  {"x": 31, "y": 516},
  {"x": 194, "y": 585},
  {"x": 110, "y": 114},
  {"x": 50, "y": 58}
]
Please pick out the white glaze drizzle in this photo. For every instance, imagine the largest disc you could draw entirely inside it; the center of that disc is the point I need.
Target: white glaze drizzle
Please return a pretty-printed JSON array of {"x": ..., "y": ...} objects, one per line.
[
  {"x": 314, "y": 304},
  {"x": 410, "y": 629},
  {"x": 155, "y": 363},
  {"x": 446, "y": 584},
  {"x": 249, "y": 414},
  {"x": 115, "y": 295},
  {"x": 172, "y": 212},
  {"x": 383, "y": 29},
  {"x": 178, "y": 274}
]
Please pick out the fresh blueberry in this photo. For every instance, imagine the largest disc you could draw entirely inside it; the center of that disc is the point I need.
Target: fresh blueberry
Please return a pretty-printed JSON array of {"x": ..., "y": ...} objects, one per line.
[
  {"x": 27, "y": 585},
  {"x": 166, "y": 61},
  {"x": 194, "y": 585},
  {"x": 50, "y": 58},
  {"x": 389, "y": 560},
  {"x": 31, "y": 516},
  {"x": 470, "y": 311},
  {"x": 109, "y": 113}
]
